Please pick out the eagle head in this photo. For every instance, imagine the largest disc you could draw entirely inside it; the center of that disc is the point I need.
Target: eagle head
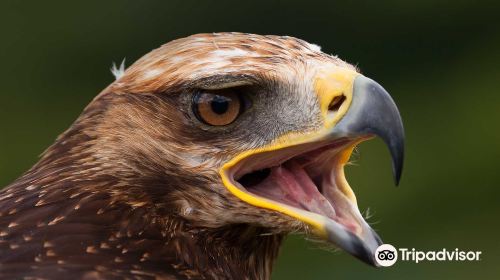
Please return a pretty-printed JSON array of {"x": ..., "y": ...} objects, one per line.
[
  {"x": 240, "y": 135},
  {"x": 249, "y": 129}
]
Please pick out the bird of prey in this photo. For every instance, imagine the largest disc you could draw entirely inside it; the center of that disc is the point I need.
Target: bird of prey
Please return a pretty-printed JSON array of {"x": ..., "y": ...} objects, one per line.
[{"x": 197, "y": 161}]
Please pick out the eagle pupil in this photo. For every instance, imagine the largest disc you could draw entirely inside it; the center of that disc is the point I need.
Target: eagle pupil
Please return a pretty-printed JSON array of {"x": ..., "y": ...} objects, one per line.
[{"x": 220, "y": 104}]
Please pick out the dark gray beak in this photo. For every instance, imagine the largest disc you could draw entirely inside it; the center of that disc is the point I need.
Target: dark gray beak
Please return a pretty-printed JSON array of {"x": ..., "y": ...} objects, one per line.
[{"x": 373, "y": 112}]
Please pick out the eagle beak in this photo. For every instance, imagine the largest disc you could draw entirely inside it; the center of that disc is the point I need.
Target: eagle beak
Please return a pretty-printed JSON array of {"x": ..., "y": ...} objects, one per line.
[
  {"x": 372, "y": 112},
  {"x": 302, "y": 175}
]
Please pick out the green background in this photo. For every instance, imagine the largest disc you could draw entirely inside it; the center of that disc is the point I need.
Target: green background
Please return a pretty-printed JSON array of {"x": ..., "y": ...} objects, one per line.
[{"x": 440, "y": 60}]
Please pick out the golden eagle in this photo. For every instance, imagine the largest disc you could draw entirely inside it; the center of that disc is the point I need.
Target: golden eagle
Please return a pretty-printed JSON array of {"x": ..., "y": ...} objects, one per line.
[{"x": 197, "y": 161}]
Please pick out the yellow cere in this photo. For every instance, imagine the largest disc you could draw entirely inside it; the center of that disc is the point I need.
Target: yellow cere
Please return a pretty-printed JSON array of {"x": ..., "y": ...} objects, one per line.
[
  {"x": 328, "y": 85},
  {"x": 332, "y": 83}
]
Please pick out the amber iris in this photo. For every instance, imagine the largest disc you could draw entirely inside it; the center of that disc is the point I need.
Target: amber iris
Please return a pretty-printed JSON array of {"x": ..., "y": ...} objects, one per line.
[{"x": 217, "y": 108}]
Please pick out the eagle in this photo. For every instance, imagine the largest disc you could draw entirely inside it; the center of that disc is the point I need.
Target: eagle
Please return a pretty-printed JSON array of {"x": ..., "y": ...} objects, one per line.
[{"x": 197, "y": 161}]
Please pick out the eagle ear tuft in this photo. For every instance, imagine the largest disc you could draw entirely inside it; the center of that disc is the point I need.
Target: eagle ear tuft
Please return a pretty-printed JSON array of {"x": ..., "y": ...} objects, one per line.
[{"x": 118, "y": 72}]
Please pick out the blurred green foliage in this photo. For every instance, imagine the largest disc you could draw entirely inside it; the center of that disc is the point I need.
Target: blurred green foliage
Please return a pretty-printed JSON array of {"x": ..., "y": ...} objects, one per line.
[{"x": 439, "y": 60}]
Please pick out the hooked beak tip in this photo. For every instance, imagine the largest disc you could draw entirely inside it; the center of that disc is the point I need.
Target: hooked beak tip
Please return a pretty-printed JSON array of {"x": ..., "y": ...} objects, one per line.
[{"x": 373, "y": 112}]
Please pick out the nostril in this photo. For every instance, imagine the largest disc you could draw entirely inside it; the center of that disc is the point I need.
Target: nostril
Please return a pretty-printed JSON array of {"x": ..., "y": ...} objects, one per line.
[{"x": 337, "y": 101}]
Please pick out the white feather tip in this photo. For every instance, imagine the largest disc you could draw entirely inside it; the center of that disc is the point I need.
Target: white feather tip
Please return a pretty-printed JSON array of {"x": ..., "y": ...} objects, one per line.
[{"x": 118, "y": 72}]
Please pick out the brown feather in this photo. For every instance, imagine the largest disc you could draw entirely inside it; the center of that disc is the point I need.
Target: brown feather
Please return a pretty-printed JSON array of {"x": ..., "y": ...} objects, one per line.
[{"x": 131, "y": 190}]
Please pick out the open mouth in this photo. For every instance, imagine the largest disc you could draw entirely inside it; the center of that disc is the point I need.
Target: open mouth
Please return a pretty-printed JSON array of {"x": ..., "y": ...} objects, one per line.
[
  {"x": 306, "y": 177},
  {"x": 302, "y": 175}
]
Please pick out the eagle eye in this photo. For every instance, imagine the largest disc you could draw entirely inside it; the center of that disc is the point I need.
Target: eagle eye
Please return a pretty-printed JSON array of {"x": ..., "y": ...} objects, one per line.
[{"x": 217, "y": 107}]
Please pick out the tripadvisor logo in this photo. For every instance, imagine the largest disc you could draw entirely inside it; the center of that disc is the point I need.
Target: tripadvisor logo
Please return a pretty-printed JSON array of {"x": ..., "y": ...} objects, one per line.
[{"x": 387, "y": 255}]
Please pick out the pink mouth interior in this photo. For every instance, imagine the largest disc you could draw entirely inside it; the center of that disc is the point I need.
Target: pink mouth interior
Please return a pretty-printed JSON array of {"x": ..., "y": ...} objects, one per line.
[
  {"x": 308, "y": 181},
  {"x": 290, "y": 184}
]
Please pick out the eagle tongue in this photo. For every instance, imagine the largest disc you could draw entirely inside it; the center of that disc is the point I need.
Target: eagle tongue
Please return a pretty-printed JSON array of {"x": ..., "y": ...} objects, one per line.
[
  {"x": 291, "y": 184},
  {"x": 315, "y": 201}
]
